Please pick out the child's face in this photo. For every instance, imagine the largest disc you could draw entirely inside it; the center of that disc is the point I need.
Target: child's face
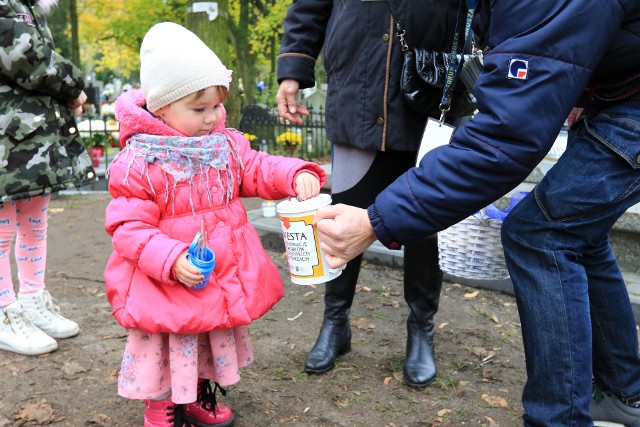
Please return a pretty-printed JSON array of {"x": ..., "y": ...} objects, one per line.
[{"x": 194, "y": 117}]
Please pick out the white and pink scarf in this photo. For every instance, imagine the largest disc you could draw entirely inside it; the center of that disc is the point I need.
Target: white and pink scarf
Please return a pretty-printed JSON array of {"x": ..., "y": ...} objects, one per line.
[{"x": 185, "y": 157}]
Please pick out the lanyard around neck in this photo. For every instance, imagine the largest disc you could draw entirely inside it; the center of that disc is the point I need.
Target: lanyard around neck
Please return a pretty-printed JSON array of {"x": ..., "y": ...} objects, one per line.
[{"x": 452, "y": 68}]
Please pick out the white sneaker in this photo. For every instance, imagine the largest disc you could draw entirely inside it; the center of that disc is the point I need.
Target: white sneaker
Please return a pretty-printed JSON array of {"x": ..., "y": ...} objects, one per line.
[
  {"x": 19, "y": 335},
  {"x": 45, "y": 315}
]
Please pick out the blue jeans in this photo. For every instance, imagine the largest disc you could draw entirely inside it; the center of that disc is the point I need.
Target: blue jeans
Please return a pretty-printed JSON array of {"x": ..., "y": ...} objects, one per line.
[{"x": 577, "y": 320}]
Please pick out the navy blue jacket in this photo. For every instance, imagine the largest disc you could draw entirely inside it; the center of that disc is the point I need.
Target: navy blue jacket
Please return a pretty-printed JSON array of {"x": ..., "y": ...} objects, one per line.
[
  {"x": 561, "y": 45},
  {"x": 363, "y": 61}
]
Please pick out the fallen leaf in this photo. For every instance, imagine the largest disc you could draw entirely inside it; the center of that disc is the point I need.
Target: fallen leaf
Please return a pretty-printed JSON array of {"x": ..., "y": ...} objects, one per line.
[
  {"x": 442, "y": 325},
  {"x": 308, "y": 293},
  {"x": 495, "y": 319},
  {"x": 443, "y": 412},
  {"x": 112, "y": 376},
  {"x": 55, "y": 210},
  {"x": 471, "y": 295},
  {"x": 100, "y": 420},
  {"x": 398, "y": 376},
  {"x": 365, "y": 289},
  {"x": 363, "y": 323},
  {"x": 495, "y": 401},
  {"x": 387, "y": 380},
  {"x": 341, "y": 403},
  {"x": 480, "y": 351},
  {"x": 492, "y": 423},
  {"x": 40, "y": 413},
  {"x": 487, "y": 375},
  {"x": 72, "y": 368}
]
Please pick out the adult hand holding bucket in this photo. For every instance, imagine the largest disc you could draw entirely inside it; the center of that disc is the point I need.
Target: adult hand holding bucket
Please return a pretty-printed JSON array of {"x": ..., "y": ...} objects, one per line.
[
  {"x": 345, "y": 232},
  {"x": 307, "y": 264}
]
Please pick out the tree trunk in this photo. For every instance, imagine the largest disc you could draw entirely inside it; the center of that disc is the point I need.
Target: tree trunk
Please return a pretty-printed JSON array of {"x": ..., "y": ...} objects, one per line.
[
  {"x": 217, "y": 36},
  {"x": 246, "y": 63},
  {"x": 75, "y": 44}
]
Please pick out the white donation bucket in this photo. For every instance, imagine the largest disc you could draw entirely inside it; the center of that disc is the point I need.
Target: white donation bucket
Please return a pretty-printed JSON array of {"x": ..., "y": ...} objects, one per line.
[{"x": 306, "y": 260}]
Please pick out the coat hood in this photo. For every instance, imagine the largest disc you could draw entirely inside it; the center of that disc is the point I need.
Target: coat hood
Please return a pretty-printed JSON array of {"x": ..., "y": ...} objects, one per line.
[{"x": 131, "y": 113}]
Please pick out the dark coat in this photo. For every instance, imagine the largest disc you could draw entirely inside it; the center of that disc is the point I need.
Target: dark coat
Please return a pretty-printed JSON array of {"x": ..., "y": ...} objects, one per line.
[
  {"x": 363, "y": 61},
  {"x": 563, "y": 46}
]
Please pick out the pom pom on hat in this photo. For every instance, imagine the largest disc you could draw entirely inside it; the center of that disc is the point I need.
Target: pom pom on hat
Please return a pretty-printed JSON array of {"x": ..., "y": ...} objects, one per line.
[{"x": 175, "y": 63}]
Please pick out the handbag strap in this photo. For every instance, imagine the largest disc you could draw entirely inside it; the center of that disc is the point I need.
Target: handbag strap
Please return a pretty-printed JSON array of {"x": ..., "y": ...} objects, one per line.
[{"x": 400, "y": 32}]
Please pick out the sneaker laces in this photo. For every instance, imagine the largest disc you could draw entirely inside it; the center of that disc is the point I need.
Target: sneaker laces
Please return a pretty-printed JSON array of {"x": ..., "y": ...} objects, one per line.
[
  {"x": 47, "y": 307},
  {"x": 633, "y": 402},
  {"x": 19, "y": 322},
  {"x": 207, "y": 395}
]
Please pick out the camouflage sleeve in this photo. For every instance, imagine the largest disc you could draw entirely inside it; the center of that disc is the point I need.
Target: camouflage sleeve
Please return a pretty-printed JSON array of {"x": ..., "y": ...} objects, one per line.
[{"x": 28, "y": 58}]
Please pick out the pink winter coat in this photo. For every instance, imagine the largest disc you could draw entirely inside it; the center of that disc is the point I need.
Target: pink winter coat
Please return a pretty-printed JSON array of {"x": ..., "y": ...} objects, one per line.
[{"x": 151, "y": 223}]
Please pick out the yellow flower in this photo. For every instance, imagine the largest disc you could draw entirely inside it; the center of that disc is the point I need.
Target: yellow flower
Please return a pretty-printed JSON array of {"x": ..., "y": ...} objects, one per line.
[
  {"x": 250, "y": 137},
  {"x": 289, "y": 138}
]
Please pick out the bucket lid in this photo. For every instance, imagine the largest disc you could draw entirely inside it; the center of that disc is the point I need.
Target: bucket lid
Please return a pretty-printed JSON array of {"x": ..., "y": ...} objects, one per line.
[{"x": 292, "y": 205}]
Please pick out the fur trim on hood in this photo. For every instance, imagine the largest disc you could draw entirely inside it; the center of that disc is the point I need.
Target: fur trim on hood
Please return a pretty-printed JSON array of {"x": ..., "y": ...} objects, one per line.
[{"x": 134, "y": 118}]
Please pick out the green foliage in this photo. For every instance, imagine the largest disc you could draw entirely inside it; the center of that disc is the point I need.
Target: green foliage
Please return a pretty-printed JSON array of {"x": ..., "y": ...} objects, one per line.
[
  {"x": 111, "y": 31},
  {"x": 58, "y": 21}
]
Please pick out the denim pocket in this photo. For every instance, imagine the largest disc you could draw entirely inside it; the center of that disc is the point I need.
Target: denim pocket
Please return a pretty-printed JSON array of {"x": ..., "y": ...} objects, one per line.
[
  {"x": 619, "y": 130},
  {"x": 600, "y": 168}
]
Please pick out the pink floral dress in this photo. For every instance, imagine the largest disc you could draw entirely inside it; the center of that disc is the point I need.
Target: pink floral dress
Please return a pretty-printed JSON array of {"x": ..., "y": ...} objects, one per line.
[{"x": 154, "y": 364}]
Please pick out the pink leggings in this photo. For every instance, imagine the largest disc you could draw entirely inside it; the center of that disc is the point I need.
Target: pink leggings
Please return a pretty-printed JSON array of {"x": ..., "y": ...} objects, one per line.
[{"x": 27, "y": 220}]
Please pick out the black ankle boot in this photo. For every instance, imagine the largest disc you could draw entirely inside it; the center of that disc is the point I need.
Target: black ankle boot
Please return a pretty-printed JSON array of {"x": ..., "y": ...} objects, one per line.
[
  {"x": 334, "y": 338},
  {"x": 422, "y": 286},
  {"x": 420, "y": 363}
]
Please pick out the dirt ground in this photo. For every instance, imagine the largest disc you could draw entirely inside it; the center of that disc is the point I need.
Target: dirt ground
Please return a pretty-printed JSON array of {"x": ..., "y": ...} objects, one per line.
[{"x": 478, "y": 349}]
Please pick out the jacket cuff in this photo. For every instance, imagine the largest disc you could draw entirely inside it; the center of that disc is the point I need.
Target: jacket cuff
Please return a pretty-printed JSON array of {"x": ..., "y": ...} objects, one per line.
[
  {"x": 312, "y": 172},
  {"x": 298, "y": 67},
  {"x": 380, "y": 230}
]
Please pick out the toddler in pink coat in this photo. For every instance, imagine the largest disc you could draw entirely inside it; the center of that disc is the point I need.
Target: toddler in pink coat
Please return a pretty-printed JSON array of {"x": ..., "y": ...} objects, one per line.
[{"x": 181, "y": 172}]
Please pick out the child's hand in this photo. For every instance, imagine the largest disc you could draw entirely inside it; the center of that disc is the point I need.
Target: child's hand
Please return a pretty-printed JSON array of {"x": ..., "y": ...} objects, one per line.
[
  {"x": 307, "y": 186},
  {"x": 186, "y": 273}
]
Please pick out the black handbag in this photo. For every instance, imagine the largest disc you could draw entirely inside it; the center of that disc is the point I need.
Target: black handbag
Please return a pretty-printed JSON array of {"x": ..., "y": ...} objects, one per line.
[{"x": 424, "y": 73}]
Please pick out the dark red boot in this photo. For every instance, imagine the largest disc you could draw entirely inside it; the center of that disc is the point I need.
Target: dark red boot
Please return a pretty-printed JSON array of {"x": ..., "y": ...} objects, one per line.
[
  {"x": 206, "y": 411},
  {"x": 164, "y": 413}
]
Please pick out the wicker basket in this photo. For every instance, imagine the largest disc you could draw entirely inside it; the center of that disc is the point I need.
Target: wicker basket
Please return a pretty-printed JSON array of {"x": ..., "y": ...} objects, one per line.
[{"x": 472, "y": 249}]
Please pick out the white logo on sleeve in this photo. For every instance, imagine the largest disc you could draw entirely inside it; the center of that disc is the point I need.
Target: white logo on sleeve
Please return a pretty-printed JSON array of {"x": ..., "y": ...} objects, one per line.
[{"x": 518, "y": 69}]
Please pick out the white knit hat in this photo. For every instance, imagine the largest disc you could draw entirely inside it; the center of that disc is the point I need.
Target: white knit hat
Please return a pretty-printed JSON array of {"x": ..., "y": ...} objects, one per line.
[{"x": 175, "y": 63}]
